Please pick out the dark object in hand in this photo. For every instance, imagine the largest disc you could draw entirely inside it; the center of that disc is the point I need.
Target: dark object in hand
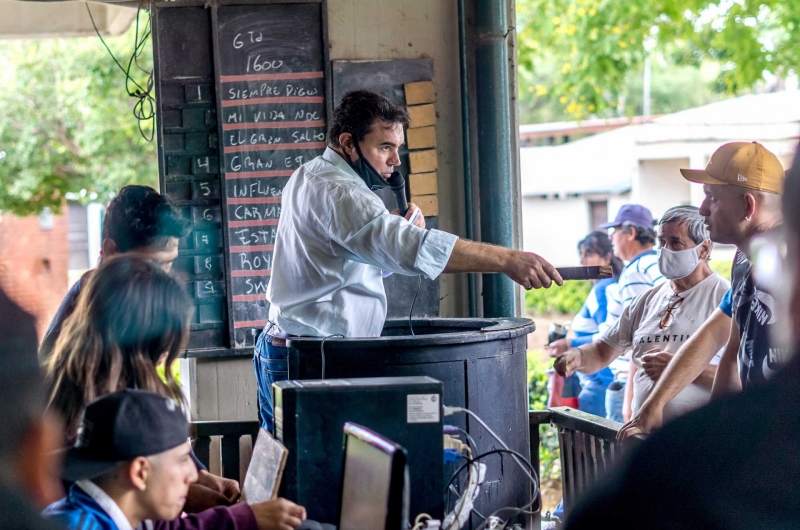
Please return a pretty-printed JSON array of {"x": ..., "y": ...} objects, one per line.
[{"x": 597, "y": 272}]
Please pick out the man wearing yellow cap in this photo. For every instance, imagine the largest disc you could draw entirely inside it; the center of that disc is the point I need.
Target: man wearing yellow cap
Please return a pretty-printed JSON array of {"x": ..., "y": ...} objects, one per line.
[{"x": 743, "y": 184}]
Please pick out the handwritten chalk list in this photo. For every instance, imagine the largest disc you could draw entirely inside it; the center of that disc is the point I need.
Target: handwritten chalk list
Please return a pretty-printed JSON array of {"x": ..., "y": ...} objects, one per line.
[{"x": 271, "y": 108}]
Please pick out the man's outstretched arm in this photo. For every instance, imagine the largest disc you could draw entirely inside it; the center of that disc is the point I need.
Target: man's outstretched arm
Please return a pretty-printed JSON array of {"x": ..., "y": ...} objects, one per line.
[{"x": 526, "y": 268}]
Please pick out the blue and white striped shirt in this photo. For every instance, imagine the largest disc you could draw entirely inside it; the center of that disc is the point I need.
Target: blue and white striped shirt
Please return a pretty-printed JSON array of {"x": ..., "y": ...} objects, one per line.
[{"x": 586, "y": 324}]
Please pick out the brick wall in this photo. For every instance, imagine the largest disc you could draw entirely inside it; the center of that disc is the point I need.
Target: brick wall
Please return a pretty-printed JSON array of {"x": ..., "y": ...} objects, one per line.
[{"x": 33, "y": 264}]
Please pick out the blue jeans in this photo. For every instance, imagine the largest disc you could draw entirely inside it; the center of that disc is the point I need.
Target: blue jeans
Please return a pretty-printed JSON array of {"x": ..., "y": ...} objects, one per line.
[
  {"x": 271, "y": 364},
  {"x": 592, "y": 399},
  {"x": 615, "y": 398}
]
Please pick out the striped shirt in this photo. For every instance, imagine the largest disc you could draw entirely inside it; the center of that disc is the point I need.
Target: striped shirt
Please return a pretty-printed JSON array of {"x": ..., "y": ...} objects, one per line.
[
  {"x": 641, "y": 274},
  {"x": 586, "y": 324}
]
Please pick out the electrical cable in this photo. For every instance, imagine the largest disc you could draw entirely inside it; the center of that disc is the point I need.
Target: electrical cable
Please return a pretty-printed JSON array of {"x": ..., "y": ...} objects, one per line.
[
  {"x": 414, "y": 301},
  {"x": 470, "y": 440},
  {"x": 144, "y": 108},
  {"x": 474, "y": 481},
  {"x": 517, "y": 511},
  {"x": 488, "y": 453},
  {"x": 517, "y": 457},
  {"x": 535, "y": 490},
  {"x": 322, "y": 351}
]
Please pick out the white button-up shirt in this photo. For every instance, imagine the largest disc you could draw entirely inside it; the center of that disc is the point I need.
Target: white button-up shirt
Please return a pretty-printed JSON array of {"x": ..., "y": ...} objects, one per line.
[{"x": 334, "y": 238}]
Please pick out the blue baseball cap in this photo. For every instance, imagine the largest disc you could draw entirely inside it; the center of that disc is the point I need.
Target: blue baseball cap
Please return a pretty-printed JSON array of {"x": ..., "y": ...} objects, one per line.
[{"x": 634, "y": 214}]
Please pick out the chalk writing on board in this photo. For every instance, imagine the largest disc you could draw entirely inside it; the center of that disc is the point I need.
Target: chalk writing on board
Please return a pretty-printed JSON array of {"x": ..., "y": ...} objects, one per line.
[{"x": 272, "y": 121}]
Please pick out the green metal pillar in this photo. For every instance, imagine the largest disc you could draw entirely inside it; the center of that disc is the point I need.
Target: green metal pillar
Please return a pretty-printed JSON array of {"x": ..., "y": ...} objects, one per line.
[{"x": 495, "y": 172}]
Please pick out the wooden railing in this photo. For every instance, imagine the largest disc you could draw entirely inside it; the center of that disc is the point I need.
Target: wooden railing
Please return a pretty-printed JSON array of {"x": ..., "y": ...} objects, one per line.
[
  {"x": 233, "y": 456},
  {"x": 588, "y": 446}
]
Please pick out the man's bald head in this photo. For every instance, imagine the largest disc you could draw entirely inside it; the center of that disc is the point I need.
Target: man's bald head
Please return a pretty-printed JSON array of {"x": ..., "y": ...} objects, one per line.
[{"x": 734, "y": 214}]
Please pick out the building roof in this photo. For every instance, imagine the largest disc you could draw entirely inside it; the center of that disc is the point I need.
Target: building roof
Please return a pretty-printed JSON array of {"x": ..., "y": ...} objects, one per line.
[
  {"x": 584, "y": 166},
  {"x": 41, "y": 19},
  {"x": 606, "y": 162}
]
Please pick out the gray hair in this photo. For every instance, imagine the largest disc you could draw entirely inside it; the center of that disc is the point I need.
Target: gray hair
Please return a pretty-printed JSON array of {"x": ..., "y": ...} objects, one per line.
[{"x": 695, "y": 224}]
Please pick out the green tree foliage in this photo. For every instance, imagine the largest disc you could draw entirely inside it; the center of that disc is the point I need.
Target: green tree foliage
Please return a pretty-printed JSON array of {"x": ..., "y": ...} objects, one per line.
[
  {"x": 566, "y": 299},
  {"x": 67, "y": 123},
  {"x": 582, "y": 53},
  {"x": 549, "y": 453}
]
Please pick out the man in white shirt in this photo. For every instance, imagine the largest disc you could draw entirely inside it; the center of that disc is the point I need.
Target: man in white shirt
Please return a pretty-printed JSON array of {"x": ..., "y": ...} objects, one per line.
[
  {"x": 335, "y": 237},
  {"x": 664, "y": 317}
]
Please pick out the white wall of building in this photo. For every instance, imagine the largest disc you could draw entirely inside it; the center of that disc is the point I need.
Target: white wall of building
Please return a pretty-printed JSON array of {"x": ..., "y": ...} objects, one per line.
[
  {"x": 615, "y": 202},
  {"x": 659, "y": 185},
  {"x": 553, "y": 227}
]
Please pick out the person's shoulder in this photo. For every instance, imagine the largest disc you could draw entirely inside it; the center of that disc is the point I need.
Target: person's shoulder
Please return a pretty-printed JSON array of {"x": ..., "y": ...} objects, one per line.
[
  {"x": 645, "y": 297},
  {"x": 720, "y": 284},
  {"x": 72, "y": 515}
]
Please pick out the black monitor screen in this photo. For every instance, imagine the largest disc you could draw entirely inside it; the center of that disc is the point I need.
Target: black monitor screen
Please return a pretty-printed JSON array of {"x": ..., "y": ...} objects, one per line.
[{"x": 372, "y": 483}]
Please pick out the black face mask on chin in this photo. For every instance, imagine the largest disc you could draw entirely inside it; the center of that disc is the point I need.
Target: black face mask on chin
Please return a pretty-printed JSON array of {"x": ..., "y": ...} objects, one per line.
[{"x": 364, "y": 169}]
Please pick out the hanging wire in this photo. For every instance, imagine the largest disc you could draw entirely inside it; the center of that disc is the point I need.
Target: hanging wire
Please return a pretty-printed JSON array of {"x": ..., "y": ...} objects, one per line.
[{"x": 144, "y": 110}]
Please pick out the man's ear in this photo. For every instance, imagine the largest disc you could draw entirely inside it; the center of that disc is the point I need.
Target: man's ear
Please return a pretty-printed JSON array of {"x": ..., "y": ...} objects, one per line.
[
  {"x": 139, "y": 471},
  {"x": 38, "y": 463},
  {"x": 348, "y": 145},
  {"x": 109, "y": 247},
  {"x": 705, "y": 249},
  {"x": 749, "y": 205}
]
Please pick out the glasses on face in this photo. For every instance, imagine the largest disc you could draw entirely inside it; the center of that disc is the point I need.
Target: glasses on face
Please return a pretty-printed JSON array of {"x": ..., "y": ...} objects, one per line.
[{"x": 669, "y": 314}]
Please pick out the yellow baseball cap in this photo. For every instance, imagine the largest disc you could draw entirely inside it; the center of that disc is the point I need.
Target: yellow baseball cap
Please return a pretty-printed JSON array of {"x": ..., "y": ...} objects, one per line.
[{"x": 746, "y": 164}]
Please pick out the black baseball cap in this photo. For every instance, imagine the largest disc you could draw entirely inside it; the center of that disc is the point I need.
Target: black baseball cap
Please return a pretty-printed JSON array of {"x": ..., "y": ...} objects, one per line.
[{"x": 120, "y": 427}]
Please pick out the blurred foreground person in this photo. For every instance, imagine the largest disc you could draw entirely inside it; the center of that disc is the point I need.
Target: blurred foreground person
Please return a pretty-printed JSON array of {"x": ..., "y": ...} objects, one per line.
[
  {"x": 131, "y": 317},
  {"x": 733, "y": 464},
  {"x": 29, "y": 465}
]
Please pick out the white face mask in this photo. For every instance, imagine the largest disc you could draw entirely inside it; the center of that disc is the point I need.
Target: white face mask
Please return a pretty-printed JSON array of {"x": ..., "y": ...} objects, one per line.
[{"x": 677, "y": 264}]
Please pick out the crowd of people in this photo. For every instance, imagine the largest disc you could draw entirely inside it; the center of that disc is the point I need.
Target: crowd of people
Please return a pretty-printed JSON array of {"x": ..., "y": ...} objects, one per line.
[
  {"x": 95, "y": 438},
  {"x": 732, "y": 462},
  {"x": 94, "y": 388}
]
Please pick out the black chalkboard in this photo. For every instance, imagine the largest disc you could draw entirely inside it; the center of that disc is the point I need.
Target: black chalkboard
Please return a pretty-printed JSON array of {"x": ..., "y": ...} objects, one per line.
[
  {"x": 241, "y": 92},
  {"x": 189, "y": 160},
  {"x": 270, "y": 72}
]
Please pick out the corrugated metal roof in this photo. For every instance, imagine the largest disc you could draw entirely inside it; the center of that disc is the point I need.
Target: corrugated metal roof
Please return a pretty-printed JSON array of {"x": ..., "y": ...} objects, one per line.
[{"x": 607, "y": 162}]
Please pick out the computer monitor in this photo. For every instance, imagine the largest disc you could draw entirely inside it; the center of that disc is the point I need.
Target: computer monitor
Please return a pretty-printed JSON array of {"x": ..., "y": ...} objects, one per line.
[{"x": 375, "y": 485}]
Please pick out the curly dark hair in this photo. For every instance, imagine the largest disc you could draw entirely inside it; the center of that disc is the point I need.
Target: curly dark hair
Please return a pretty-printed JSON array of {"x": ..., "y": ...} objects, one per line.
[
  {"x": 357, "y": 112},
  {"x": 139, "y": 217}
]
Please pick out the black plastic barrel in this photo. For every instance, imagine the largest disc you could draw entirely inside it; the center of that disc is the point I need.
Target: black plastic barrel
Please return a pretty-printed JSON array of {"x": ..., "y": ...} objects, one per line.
[{"x": 482, "y": 364}]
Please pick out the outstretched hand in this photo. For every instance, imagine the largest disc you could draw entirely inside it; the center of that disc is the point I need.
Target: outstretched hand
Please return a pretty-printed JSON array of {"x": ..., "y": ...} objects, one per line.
[
  {"x": 567, "y": 363},
  {"x": 530, "y": 270}
]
